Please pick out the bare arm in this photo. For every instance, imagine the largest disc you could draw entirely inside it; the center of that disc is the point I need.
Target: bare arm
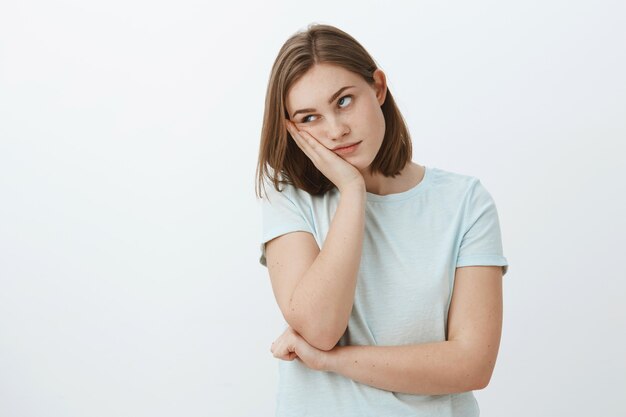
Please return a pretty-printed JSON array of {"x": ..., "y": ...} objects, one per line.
[
  {"x": 464, "y": 362},
  {"x": 319, "y": 305},
  {"x": 427, "y": 369}
]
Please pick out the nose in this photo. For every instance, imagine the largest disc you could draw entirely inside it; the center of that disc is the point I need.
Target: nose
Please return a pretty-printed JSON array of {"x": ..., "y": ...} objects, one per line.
[{"x": 337, "y": 129}]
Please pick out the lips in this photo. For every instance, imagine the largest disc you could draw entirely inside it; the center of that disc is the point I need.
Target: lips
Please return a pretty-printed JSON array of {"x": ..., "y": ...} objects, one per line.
[{"x": 346, "y": 146}]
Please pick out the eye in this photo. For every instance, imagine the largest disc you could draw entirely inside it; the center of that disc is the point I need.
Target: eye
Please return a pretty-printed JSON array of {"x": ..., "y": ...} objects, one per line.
[{"x": 349, "y": 96}]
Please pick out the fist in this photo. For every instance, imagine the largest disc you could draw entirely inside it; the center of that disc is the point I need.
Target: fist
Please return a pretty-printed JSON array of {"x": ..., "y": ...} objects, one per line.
[{"x": 290, "y": 345}]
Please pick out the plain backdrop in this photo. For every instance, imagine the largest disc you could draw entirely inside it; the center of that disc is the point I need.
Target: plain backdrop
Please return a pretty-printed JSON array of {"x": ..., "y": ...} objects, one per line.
[{"x": 129, "y": 228}]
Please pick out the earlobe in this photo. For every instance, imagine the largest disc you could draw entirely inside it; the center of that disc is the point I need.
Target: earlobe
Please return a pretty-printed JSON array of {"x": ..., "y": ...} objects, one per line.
[{"x": 383, "y": 95}]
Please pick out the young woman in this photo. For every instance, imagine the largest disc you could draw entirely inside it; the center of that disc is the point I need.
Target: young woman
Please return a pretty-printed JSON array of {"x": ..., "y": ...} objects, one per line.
[{"x": 387, "y": 272}]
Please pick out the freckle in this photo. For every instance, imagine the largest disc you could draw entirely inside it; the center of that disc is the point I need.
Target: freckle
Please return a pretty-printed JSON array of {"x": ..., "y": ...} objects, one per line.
[
  {"x": 373, "y": 365},
  {"x": 356, "y": 361}
]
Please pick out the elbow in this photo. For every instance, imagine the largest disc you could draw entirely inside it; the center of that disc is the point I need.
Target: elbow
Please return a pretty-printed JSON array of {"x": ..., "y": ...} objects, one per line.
[
  {"x": 319, "y": 337},
  {"x": 475, "y": 371},
  {"x": 477, "y": 365},
  {"x": 481, "y": 382},
  {"x": 316, "y": 333},
  {"x": 322, "y": 342},
  {"x": 482, "y": 376},
  {"x": 472, "y": 382},
  {"x": 483, "y": 379}
]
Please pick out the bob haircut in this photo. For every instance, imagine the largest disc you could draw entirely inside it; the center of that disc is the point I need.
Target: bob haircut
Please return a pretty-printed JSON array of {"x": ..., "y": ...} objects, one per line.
[{"x": 320, "y": 44}]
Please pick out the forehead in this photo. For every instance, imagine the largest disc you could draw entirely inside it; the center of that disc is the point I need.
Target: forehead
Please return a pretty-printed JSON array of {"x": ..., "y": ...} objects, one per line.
[{"x": 316, "y": 86}]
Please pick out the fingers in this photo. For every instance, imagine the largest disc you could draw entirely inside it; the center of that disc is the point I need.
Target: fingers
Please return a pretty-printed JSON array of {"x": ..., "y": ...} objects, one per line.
[
  {"x": 285, "y": 346},
  {"x": 282, "y": 351},
  {"x": 303, "y": 140}
]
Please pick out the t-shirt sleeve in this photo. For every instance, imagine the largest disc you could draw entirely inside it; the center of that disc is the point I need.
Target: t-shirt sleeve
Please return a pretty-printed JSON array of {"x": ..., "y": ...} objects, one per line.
[
  {"x": 481, "y": 243},
  {"x": 280, "y": 214}
]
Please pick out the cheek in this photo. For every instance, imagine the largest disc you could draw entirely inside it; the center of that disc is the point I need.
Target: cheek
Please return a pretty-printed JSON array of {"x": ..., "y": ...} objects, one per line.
[
  {"x": 312, "y": 131},
  {"x": 381, "y": 118},
  {"x": 369, "y": 113},
  {"x": 372, "y": 117}
]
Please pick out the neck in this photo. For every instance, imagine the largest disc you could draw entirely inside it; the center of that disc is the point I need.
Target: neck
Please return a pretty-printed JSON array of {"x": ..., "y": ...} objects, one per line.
[{"x": 410, "y": 176}]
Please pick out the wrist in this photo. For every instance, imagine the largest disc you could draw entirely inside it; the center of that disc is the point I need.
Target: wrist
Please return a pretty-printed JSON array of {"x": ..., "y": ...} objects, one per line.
[
  {"x": 357, "y": 186},
  {"x": 331, "y": 359},
  {"x": 353, "y": 191}
]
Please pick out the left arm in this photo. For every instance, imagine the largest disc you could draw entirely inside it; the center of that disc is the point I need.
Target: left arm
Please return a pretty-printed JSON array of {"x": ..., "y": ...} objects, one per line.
[
  {"x": 463, "y": 362},
  {"x": 425, "y": 368}
]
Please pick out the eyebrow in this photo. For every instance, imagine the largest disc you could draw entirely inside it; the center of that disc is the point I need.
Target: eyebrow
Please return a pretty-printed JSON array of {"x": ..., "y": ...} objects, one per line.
[{"x": 334, "y": 96}]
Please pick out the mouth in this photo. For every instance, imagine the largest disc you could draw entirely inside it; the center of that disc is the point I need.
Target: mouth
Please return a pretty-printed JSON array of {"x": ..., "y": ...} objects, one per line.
[
  {"x": 344, "y": 150},
  {"x": 346, "y": 146}
]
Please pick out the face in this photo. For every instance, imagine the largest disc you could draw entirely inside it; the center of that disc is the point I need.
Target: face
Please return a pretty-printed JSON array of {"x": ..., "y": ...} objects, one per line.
[{"x": 319, "y": 104}]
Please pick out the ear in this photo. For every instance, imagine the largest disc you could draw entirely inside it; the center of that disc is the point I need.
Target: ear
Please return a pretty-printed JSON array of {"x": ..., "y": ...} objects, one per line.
[{"x": 380, "y": 85}]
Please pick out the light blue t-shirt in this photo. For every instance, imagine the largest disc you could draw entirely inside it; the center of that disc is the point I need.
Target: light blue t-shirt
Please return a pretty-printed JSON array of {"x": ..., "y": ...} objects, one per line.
[{"x": 413, "y": 242}]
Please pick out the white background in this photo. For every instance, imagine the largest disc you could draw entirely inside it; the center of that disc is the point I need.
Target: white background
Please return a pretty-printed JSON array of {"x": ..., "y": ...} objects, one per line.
[{"x": 129, "y": 228}]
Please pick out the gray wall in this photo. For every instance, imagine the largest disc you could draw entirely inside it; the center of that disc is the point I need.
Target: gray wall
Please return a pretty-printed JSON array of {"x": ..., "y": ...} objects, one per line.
[{"x": 129, "y": 229}]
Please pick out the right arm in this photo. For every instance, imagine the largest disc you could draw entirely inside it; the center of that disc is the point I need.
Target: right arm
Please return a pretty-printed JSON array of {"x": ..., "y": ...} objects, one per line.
[{"x": 315, "y": 289}]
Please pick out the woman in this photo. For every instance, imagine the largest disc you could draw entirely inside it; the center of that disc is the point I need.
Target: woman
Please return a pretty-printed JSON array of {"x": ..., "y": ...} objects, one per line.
[{"x": 388, "y": 273}]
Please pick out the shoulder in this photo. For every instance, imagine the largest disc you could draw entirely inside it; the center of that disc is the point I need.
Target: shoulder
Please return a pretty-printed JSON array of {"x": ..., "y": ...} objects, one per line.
[
  {"x": 448, "y": 177},
  {"x": 465, "y": 192},
  {"x": 297, "y": 196},
  {"x": 453, "y": 184},
  {"x": 284, "y": 191}
]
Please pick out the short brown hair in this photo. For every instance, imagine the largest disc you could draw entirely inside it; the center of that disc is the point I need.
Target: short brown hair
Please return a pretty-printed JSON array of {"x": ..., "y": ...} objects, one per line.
[{"x": 319, "y": 44}]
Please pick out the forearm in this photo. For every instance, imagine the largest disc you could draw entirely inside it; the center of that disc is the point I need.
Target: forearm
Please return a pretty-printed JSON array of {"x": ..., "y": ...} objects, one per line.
[
  {"x": 322, "y": 301},
  {"x": 428, "y": 368}
]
